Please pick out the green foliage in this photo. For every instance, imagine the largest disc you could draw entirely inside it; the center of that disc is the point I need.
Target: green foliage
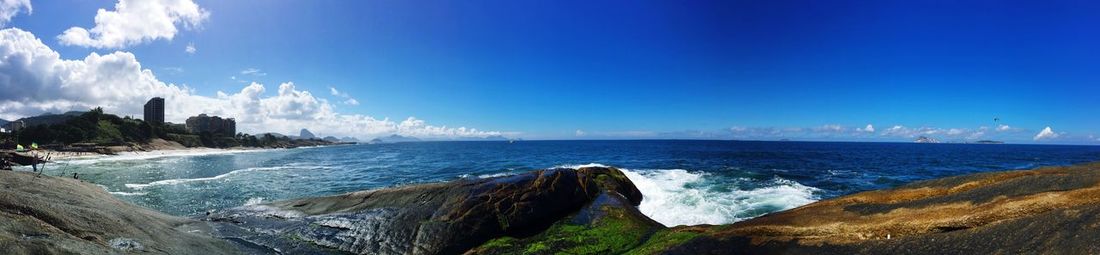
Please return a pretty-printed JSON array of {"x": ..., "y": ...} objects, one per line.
[
  {"x": 107, "y": 133},
  {"x": 662, "y": 240},
  {"x": 184, "y": 139},
  {"x": 97, "y": 127},
  {"x": 503, "y": 242},
  {"x": 536, "y": 248},
  {"x": 615, "y": 233},
  {"x": 91, "y": 127}
]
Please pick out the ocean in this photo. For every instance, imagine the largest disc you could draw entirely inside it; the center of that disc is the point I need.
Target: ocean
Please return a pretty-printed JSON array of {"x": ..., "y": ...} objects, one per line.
[{"x": 684, "y": 182}]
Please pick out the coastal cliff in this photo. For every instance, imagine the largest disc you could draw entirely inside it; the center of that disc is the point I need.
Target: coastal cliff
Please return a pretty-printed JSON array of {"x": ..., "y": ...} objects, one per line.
[{"x": 590, "y": 210}]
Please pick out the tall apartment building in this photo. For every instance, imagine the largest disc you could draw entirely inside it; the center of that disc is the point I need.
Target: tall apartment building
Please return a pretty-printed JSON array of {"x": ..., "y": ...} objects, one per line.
[
  {"x": 212, "y": 124},
  {"x": 154, "y": 110}
]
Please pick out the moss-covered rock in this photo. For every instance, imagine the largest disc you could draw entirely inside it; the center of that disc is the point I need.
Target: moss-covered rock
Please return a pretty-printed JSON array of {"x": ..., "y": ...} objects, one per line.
[
  {"x": 443, "y": 218},
  {"x": 608, "y": 225}
]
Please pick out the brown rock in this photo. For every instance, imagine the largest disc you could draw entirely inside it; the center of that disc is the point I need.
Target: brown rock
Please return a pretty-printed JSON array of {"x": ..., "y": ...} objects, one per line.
[{"x": 1048, "y": 210}]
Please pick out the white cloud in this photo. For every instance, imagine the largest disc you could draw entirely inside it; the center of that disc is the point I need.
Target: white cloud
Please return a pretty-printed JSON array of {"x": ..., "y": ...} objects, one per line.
[
  {"x": 10, "y": 8},
  {"x": 868, "y": 129},
  {"x": 253, "y": 71},
  {"x": 1003, "y": 127},
  {"x": 831, "y": 128},
  {"x": 173, "y": 70},
  {"x": 975, "y": 135},
  {"x": 348, "y": 100},
  {"x": 906, "y": 132},
  {"x": 898, "y": 130},
  {"x": 579, "y": 133},
  {"x": 1047, "y": 133},
  {"x": 136, "y": 21},
  {"x": 36, "y": 80},
  {"x": 190, "y": 49}
]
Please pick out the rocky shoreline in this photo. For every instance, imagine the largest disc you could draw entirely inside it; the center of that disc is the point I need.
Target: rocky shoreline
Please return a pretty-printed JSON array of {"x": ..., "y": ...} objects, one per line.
[
  {"x": 590, "y": 210},
  {"x": 55, "y": 215}
]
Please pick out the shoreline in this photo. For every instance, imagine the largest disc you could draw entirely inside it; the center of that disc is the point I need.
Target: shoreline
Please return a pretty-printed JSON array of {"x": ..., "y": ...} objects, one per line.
[
  {"x": 153, "y": 149},
  {"x": 589, "y": 209}
]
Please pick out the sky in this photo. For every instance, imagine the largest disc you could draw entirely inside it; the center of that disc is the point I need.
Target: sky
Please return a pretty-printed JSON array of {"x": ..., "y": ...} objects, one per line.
[{"x": 957, "y": 71}]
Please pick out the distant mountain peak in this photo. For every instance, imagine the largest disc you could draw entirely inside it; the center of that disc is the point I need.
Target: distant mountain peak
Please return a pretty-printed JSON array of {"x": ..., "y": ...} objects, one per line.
[
  {"x": 305, "y": 134},
  {"x": 395, "y": 138},
  {"x": 925, "y": 139}
]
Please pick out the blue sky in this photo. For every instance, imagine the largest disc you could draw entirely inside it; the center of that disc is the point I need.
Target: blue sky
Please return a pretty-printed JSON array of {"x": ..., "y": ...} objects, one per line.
[{"x": 806, "y": 70}]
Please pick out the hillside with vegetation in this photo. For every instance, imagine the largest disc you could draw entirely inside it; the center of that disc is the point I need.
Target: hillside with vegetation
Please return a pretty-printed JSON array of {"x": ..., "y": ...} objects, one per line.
[{"x": 96, "y": 128}]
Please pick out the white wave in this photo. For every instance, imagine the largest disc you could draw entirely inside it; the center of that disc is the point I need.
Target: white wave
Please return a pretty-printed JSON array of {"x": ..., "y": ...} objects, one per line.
[
  {"x": 254, "y": 201},
  {"x": 220, "y": 176},
  {"x": 144, "y": 155},
  {"x": 581, "y": 166},
  {"x": 255, "y": 205},
  {"x": 678, "y": 197},
  {"x": 494, "y": 175},
  {"x": 121, "y": 193},
  {"x": 271, "y": 211},
  {"x": 483, "y": 176}
]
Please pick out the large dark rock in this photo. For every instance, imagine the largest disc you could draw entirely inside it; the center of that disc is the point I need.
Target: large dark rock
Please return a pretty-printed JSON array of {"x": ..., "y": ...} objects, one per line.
[{"x": 443, "y": 218}]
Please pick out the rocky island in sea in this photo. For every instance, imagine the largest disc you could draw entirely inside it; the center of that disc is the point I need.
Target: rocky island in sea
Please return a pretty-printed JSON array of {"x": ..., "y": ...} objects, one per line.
[{"x": 585, "y": 210}]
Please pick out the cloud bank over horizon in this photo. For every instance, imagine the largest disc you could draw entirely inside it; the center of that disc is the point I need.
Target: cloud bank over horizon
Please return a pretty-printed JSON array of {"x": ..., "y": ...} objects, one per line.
[{"x": 37, "y": 80}]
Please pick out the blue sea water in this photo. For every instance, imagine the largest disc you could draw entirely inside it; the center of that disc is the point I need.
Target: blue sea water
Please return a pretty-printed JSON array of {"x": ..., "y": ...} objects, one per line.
[{"x": 683, "y": 181}]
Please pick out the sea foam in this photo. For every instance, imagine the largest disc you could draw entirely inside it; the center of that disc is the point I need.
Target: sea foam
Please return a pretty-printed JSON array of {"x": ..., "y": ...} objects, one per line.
[
  {"x": 676, "y": 197},
  {"x": 217, "y": 177},
  {"x": 143, "y": 155}
]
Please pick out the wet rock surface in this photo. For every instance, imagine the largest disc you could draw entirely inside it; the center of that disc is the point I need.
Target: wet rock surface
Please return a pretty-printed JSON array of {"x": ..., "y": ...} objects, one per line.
[
  {"x": 52, "y": 215},
  {"x": 443, "y": 218}
]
